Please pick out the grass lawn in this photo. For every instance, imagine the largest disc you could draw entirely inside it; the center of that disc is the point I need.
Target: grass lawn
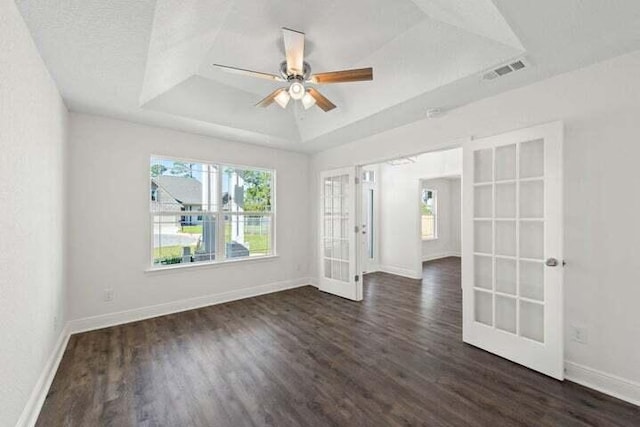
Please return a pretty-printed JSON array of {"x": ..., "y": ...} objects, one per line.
[
  {"x": 191, "y": 229},
  {"x": 169, "y": 252},
  {"x": 258, "y": 243}
]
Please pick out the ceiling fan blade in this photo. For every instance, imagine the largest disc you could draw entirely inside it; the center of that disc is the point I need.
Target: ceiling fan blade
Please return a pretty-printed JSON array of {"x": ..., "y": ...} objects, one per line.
[
  {"x": 294, "y": 50},
  {"x": 249, "y": 73},
  {"x": 321, "y": 101},
  {"x": 344, "y": 76},
  {"x": 270, "y": 99}
]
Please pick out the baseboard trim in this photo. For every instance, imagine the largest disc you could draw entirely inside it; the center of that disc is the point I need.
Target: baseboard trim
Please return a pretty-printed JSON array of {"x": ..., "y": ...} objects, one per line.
[
  {"x": 134, "y": 315},
  {"x": 38, "y": 395},
  {"x": 612, "y": 385},
  {"x": 440, "y": 256},
  {"x": 399, "y": 271},
  {"x": 315, "y": 282}
]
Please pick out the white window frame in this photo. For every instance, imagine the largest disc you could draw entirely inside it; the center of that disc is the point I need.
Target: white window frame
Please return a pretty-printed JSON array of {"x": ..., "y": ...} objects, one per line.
[
  {"x": 219, "y": 214},
  {"x": 435, "y": 214}
]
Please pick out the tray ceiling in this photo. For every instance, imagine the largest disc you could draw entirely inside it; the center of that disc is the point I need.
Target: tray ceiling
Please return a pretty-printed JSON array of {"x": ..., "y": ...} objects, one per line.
[{"x": 150, "y": 61}]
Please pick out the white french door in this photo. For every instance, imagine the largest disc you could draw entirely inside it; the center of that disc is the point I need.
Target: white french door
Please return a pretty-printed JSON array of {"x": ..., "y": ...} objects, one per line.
[
  {"x": 512, "y": 247},
  {"x": 339, "y": 265}
]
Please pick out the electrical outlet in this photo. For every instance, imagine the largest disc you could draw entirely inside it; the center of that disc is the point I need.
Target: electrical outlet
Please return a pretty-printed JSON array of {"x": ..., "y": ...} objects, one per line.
[
  {"x": 579, "y": 334},
  {"x": 108, "y": 295}
]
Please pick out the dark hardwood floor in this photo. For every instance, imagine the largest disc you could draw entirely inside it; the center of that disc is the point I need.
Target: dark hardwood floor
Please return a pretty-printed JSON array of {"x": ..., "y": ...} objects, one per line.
[{"x": 304, "y": 358}]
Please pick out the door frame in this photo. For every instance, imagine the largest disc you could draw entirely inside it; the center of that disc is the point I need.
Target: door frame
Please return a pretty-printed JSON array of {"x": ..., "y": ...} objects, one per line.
[
  {"x": 419, "y": 213},
  {"x": 372, "y": 263}
]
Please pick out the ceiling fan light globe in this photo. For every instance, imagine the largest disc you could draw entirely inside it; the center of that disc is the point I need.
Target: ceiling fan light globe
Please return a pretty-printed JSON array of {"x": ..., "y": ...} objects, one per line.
[
  {"x": 308, "y": 101},
  {"x": 283, "y": 98},
  {"x": 296, "y": 90}
]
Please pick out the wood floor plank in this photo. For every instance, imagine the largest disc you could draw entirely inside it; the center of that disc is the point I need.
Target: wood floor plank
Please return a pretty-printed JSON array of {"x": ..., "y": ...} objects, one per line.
[{"x": 305, "y": 358}]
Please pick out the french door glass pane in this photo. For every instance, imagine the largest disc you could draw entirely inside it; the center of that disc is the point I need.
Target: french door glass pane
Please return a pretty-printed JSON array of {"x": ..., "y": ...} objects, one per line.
[
  {"x": 483, "y": 165},
  {"x": 483, "y": 201},
  {"x": 532, "y": 199},
  {"x": 532, "y": 320},
  {"x": 508, "y": 196},
  {"x": 506, "y": 238},
  {"x": 506, "y": 162},
  {"x": 532, "y": 159},
  {"x": 505, "y": 200},
  {"x": 531, "y": 239},
  {"x": 483, "y": 271},
  {"x": 506, "y": 313},
  {"x": 483, "y": 239},
  {"x": 484, "y": 307},
  {"x": 335, "y": 230},
  {"x": 532, "y": 280},
  {"x": 506, "y": 276}
]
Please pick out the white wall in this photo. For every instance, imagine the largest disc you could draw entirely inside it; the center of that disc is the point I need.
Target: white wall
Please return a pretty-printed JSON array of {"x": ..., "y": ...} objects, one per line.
[
  {"x": 400, "y": 242},
  {"x": 447, "y": 218},
  {"x": 33, "y": 122},
  {"x": 109, "y": 221},
  {"x": 600, "y": 106}
]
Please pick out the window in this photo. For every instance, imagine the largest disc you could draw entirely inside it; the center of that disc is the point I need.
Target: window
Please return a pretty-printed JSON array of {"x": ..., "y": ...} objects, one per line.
[
  {"x": 209, "y": 212},
  {"x": 429, "y": 206}
]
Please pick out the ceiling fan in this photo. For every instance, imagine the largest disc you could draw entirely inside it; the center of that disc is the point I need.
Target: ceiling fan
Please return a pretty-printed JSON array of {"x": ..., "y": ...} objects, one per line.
[{"x": 297, "y": 74}]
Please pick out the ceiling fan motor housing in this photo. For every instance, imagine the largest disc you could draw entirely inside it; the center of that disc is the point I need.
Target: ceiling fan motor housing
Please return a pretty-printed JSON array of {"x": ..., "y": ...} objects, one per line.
[{"x": 306, "y": 73}]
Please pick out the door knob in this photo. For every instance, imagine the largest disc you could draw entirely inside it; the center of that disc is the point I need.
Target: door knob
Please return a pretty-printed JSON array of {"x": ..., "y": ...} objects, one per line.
[{"x": 551, "y": 262}]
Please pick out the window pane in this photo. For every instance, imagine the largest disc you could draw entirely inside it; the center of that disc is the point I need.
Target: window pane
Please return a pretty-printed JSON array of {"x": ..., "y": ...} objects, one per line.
[
  {"x": 176, "y": 243},
  {"x": 246, "y": 190},
  {"x": 428, "y": 207},
  {"x": 247, "y": 235},
  {"x": 193, "y": 205},
  {"x": 181, "y": 186}
]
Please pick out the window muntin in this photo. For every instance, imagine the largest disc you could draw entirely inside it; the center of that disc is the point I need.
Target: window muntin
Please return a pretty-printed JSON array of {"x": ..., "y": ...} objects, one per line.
[
  {"x": 428, "y": 207},
  {"x": 193, "y": 203}
]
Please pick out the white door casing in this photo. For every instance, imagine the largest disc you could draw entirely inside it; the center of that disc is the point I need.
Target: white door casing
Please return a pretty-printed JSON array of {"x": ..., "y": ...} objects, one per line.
[
  {"x": 340, "y": 272},
  {"x": 512, "y": 236},
  {"x": 369, "y": 231}
]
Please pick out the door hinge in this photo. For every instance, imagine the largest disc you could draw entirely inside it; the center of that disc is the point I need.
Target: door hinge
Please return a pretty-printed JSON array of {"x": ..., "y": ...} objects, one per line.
[
  {"x": 357, "y": 180},
  {"x": 356, "y": 229},
  {"x": 357, "y": 278}
]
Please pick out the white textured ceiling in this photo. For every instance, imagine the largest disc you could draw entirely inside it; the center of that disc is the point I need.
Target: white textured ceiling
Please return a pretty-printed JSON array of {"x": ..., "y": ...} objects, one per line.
[{"x": 150, "y": 61}]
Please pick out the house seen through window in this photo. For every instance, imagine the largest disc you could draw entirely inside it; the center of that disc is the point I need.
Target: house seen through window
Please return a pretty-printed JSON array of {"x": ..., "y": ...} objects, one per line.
[
  {"x": 428, "y": 207},
  {"x": 209, "y": 212}
]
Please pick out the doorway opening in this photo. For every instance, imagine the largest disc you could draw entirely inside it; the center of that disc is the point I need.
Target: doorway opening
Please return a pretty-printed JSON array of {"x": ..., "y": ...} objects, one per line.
[
  {"x": 410, "y": 212},
  {"x": 511, "y": 234}
]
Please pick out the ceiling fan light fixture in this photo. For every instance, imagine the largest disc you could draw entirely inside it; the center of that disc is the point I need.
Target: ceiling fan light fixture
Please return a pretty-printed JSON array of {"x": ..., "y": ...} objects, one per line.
[
  {"x": 282, "y": 98},
  {"x": 308, "y": 101},
  {"x": 295, "y": 71},
  {"x": 296, "y": 90}
]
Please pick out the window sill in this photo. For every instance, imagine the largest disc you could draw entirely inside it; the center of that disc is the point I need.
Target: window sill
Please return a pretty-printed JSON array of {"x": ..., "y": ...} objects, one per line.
[
  {"x": 429, "y": 239},
  {"x": 212, "y": 264}
]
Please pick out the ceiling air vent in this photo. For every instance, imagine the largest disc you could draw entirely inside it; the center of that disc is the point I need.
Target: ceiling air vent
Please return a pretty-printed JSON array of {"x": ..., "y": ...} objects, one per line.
[{"x": 505, "y": 69}]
